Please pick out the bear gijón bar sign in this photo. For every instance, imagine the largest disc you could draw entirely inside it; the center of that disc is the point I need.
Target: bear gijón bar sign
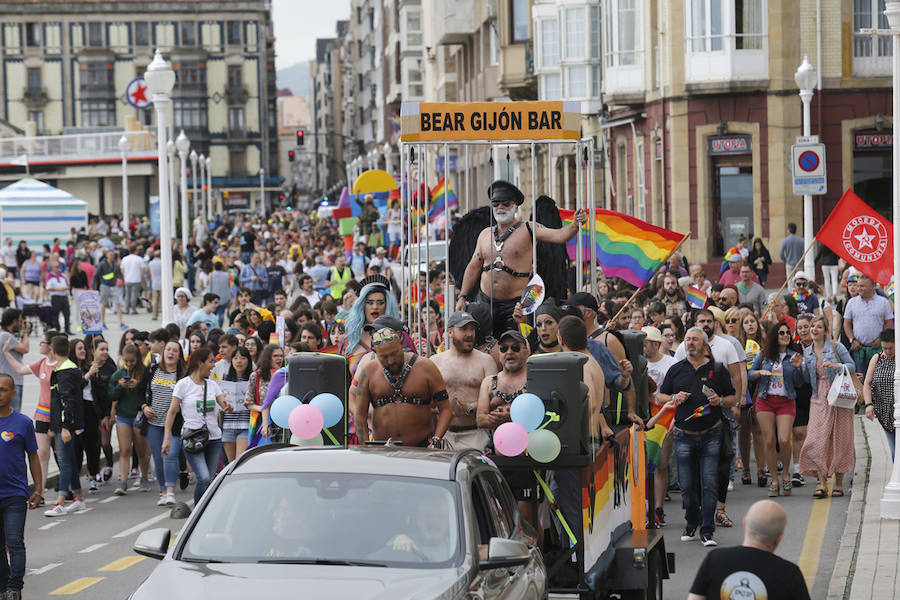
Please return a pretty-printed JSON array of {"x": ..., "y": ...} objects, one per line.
[{"x": 473, "y": 121}]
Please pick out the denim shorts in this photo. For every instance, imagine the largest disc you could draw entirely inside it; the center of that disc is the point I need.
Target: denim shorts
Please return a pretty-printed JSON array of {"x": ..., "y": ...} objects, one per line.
[
  {"x": 230, "y": 435},
  {"x": 124, "y": 421}
]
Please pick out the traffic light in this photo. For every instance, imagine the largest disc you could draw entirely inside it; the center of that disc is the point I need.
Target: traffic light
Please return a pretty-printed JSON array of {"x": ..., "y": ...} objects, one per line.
[
  {"x": 299, "y": 137},
  {"x": 290, "y": 156},
  {"x": 281, "y": 198}
]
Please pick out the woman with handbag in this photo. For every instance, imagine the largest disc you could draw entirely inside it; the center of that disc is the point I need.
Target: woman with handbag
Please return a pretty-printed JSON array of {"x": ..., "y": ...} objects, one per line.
[
  {"x": 126, "y": 396},
  {"x": 159, "y": 382},
  {"x": 198, "y": 398},
  {"x": 878, "y": 388},
  {"x": 829, "y": 441},
  {"x": 777, "y": 372}
]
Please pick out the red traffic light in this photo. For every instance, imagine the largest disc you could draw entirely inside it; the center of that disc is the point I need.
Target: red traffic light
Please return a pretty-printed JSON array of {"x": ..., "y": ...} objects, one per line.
[
  {"x": 290, "y": 155},
  {"x": 299, "y": 137}
]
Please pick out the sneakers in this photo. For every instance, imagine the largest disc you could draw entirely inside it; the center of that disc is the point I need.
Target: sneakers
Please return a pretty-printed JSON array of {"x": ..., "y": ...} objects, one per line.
[
  {"x": 797, "y": 480},
  {"x": 94, "y": 486},
  {"x": 708, "y": 541},
  {"x": 730, "y": 486},
  {"x": 121, "y": 488},
  {"x": 689, "y": 533},
  {"x": 105, "y": 327},
  {"x": 170, "y": 499},
  {"x": 13, "y": 595},
  {"x": 123, "y": 326},
  {"x": 144, "y": 485},
  {"x": 660, "y": 517},
  {"x": 183, "y": 480},
  {"x": 162, "y": 500},
  {"x": 75, "y": 506},
  {"x": 57, "y": 510},
  {"x": 107, "y": 473},
  {"x": 135, "y": 473}
]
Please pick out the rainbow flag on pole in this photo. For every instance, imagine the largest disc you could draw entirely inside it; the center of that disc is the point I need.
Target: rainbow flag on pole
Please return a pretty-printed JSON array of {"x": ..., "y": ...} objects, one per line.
[
  {"x": 696, "y": 297},
  {"x": 438, "y": 193},
  {"x": 626, "y": 246},
  {"x": 654, "y": 439}
]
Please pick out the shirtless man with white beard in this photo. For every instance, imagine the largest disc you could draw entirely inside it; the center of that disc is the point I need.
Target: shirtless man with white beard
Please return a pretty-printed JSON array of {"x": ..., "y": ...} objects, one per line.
[
  {"x": 501, "y": 264},
  {"x": 463, "y": 369}
]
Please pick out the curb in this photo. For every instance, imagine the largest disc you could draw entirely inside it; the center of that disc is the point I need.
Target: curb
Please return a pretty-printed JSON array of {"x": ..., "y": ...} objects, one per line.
[{"x": 845, "y": 562}]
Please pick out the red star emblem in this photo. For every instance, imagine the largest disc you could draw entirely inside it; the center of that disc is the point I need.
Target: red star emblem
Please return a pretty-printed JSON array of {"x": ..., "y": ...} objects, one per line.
[{"x": 139, "y": 94}]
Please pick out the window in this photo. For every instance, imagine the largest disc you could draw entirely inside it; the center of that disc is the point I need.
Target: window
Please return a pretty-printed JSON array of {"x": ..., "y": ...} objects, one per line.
[
  {"x": 32, "y": 35},
  {"x": 726, "y": 40},
  {"x": 622, "y": 29},
  {"x": 235, "y": 76},
  {"x": 552, "y": 89},
  {"x": 33, "y": 75},
  {"x": 519, "y": 19},
  {"x": 413, "y": 28},
  {"x": 576, "y": 82},
  {"x": 188, "y": 33},
  {"x": 237, "y": 161},
  {"x": 236, "y": 119},
  {"x": 494, "y": 41},
  {"x": 868, "y": 50},
  {"x": 595, "y": 81},
  {"x": 95, "y": 34},
  {"x": 141, "y": 34},
  {"x": 575, "y": 24},
  {"x": 416, "y": 88},
  {"x": 233, "y": 33},
  {"x": 748, "y": 25},
  {"x": 549, "y": 44},
  {"x": 595, "y": 32},
  {"x": 191, "y": 76},
  {"x": 96, "y": 76},
  {"x": 38, "y": 117},
  {"x": 190, "y": 113},
  {"x": 98, "y": 113}
]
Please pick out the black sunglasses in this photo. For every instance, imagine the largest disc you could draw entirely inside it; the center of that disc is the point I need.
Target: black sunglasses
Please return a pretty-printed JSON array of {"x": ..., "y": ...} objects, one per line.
[
  {"x": 513, "y": 347},
  {"x": 496, "y": 203},
  {"x": 784, "y": 332}
]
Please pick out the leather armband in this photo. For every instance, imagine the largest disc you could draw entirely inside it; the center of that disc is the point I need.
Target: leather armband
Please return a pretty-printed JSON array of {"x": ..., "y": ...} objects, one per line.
[{"x": 440, "y": 396}]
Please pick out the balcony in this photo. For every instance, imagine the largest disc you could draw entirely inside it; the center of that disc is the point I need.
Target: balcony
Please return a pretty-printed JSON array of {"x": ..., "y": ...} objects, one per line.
[
  {"x": 236, "y": 94},
  {"x": 81, "y": 148},
  {"x": 454, "y": 22},
  {"x": 35, "y": 97}
]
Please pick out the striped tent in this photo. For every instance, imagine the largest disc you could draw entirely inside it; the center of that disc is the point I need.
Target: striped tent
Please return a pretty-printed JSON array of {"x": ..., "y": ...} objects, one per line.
[{"x": 37, "y": 212}]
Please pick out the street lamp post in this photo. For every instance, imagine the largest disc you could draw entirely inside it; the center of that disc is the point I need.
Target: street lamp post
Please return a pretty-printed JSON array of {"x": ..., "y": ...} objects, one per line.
[
  {"x": 193, "y": 158},
  {"x": 124, "y": 147},
  {"x": 209, "y": 194},
  {"x": 806, "y": 80},
  {"x": 183, "y": 144},
  {"x": 170, "y": 153},
  {"x": 201, "y": 207},
  {"x": 890, "y": 501},
  {"x": 160, "y": 79},
  {"x": 262, "y": 190}
]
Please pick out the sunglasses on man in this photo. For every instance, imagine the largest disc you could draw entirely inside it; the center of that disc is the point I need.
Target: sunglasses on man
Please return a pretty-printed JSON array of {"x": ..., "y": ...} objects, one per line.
[
  {"x": 506, "y": 347},
  {"x": 378, "y": 340},
  {"x": 504, "y": 203}
]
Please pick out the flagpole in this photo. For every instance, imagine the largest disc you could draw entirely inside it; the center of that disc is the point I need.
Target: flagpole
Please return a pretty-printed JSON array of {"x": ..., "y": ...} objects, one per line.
[
  {"x": 788, "y": 277},
  {"x": 621, "y": 310}
]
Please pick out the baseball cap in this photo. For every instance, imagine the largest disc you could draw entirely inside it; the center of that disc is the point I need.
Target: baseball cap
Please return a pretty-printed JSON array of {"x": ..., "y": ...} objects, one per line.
[
  {"x": 514, "y": 334},
  {"x": 584, "y": 299},
  {"x": 653, "y": 334},
  {"x": 384, "y": 322},
  {"x": 735, "y": 258},
  {"x": 801, "y": 275},
  {"x": 460, "y": 318},
  {"x": 380, "y": 250}
]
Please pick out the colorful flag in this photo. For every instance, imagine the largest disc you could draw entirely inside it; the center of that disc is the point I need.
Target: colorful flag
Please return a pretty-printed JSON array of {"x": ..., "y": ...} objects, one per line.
[
  {"x": 700, "y": 411},
  {"x": 696, "y": 297},
  {"x": 626, "y": 247},
  {"x": 654, "y": 438},
  {"x": 438, "y": 193},
  {"x": 889, "y": 290},
  {"x": 733, "y": 251},
  {"x": 861, "y": 236}
]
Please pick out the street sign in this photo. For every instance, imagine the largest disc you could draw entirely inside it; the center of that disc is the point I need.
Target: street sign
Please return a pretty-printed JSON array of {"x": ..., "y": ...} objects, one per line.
[
  {"x": 808, "y": 168},
  {"x": 137, "y": 93}
]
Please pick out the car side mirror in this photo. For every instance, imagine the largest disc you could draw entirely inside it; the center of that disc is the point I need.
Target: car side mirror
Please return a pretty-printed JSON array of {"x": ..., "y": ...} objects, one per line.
[
  {"x": 505, "y": 553},
  {"x": 153, "y": 543}
]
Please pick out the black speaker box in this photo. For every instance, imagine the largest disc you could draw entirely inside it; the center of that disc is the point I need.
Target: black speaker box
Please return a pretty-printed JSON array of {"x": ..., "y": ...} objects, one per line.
[
  {"x": 633, "y": 340},
  {"x": 312, "y": 373},
  {"x": 557, "y": 379}
]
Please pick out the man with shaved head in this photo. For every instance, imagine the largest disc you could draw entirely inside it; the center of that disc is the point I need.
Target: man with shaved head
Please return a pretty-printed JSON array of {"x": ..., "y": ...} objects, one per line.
[{"x": 752, "y": 570}]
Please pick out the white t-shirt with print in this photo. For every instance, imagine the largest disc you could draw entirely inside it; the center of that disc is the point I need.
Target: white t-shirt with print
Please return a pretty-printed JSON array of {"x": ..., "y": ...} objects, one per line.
[{"x": 191, "y": 396}]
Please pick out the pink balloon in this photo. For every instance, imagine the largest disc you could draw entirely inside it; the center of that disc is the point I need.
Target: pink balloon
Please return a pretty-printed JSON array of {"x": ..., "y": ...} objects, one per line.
[
  {"x": 306, "y": 421},
  {"x": 510, "y": 439}
]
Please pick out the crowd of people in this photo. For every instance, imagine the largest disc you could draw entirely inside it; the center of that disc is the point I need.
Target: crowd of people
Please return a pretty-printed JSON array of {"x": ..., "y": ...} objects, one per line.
[{"x": 748, "y": 371}]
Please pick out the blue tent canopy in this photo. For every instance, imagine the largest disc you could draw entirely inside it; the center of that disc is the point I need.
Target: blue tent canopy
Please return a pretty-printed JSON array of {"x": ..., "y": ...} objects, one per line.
[{"x": 37, "y": 212}]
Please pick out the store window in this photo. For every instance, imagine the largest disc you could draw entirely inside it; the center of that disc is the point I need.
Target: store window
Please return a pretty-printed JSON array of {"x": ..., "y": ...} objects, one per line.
[
  {"x": 732, "y": 206},
  {"x": 872, "y": 169}
]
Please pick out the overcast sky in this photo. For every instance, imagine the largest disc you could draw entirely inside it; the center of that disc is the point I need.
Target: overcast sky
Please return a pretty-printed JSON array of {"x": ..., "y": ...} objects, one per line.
[{"x": 299, "y": 22}]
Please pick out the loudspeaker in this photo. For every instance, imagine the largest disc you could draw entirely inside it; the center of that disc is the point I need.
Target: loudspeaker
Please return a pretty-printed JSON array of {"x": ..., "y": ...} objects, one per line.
[
  {"x": 633, "y": 340},
  {"x": 557, "y": 379},
  {"x": 312, "y": 373}
]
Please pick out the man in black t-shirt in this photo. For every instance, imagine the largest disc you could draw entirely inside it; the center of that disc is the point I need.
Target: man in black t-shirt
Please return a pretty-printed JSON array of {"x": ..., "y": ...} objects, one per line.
[{"x": 752, "y": 570}]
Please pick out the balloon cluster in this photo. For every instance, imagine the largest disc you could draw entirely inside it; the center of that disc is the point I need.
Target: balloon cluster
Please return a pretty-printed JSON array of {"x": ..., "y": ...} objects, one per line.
[
  {"x": 306, "y": 421},
  {"x": 524, "y": 433}
]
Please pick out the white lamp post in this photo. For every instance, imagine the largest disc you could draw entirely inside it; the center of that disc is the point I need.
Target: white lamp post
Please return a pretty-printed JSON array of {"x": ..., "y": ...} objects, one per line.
[
  {"x": 201, "y": 206},
  {"x": 890, "y": 501},
  {"x": 173, "y": 202},
  {"x": 209, "y": 194},
  {"x": 124, "y": 147},
  {"x": 806, "y": 77},
  {"x": 262, "y": 191},
  {"x": 160, "y": 80},
  {"x": 183, "y": 144},
  {"x": 193, "y": 157}
]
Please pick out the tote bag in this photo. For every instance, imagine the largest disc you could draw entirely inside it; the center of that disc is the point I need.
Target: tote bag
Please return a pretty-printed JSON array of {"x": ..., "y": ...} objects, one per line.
[{"x": 842, "y": 392}]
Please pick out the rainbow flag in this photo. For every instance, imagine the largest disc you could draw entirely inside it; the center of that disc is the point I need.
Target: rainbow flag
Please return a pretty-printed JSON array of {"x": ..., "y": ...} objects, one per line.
[
  {"x": 696, "y": 297},
  {"x": 889, "y": 290},
  {"x": 700, "y": 411},
  {"x": 731, "y": 252},
  {"x": 438, "y": 193},
  {"x": 626, "y": 247},
  {"x": 654, "y": 438}
]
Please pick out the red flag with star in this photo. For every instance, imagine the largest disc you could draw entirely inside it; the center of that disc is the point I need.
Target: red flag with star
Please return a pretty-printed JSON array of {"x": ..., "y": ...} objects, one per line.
[{"x": 861, "y": 236}]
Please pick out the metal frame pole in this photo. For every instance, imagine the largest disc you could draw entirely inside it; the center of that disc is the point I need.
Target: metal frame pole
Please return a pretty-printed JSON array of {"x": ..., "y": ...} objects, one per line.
[
  {"x": 592, "y": 217},
  {"x": 579, "y": 242},
  {"x": 533, "y": 213},
  {"x": 403, "y": 172},
  {"x": 467, "y": 178},
  {"x": 448, "y": 296},
  {"x": 427, "y": 207}
]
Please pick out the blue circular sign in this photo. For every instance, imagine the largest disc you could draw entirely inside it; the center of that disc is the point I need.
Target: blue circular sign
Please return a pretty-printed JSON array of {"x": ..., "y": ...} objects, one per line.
[
  {"x": 809, "y": 161},
  {"x": 137, "y": 93}
]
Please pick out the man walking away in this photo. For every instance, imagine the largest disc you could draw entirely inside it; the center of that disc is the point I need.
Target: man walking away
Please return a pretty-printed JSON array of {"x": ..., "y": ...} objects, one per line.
[
  {"x": 106, "y": 280},
  {"x": 752, "y": 570},
  {"x": 57, "y": 285},
  {"x": 791, "y": 249},
  {"x": 17, "y": 442},
  {"x": 132, "y": 267}
]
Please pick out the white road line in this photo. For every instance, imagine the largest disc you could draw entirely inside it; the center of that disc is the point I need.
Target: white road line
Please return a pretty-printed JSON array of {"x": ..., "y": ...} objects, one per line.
[
  {"x": 92, "y": 548},
  {"x": 142, "y": 526},
  {"x": 43, "y": 569},
  {"x": 89, "y": 500},
  {"x": 110, "y": 499},
  {"x": 82, "y": 511},
  {"x": 51, "y": 525}
]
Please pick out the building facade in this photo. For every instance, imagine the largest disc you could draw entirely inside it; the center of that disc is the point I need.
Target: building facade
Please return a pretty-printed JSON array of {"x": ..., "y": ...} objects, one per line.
[{"x": 66, "y": 67}]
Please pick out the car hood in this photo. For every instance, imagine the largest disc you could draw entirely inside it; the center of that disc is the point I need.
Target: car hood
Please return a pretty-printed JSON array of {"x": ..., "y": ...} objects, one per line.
[{"x": 176, "y": 580}]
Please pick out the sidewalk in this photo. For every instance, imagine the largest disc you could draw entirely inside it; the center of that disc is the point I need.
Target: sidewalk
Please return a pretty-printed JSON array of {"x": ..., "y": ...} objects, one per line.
[{"x": 868, "y": 561}]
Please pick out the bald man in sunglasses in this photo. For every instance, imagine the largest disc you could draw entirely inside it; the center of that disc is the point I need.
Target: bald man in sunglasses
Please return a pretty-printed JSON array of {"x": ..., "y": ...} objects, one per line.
[
  {"x": 501, "y": 264},
  {"x": 401, "y": 387}
]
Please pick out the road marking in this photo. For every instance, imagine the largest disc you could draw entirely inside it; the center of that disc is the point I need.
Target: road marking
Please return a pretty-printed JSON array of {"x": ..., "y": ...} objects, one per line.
[
  {"x": 122, "y": 563},
  {"x": 89, "y": 500},
  {"x": 110, "y": 499},
  {"x": 92, "y": 548},
  {"x": 82, "y": 583},
  {"x": 51, "y": 525},
  {"x": 142, "y": 526},
  {"x": 43, "y": 569},
  {"x": 812, "y": 542},
  {"x": 82, "y": 511}
]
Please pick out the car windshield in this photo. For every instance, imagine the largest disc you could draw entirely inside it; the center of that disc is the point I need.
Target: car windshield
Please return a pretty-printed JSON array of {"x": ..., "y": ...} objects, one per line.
[{"x": 328, "y": 518}]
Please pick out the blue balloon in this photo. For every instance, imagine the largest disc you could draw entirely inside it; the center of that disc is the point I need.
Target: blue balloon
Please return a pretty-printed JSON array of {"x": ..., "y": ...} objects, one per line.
[
  {"x": 528, "y": 411},
  {"x": 331, "y": 406},
  {"x": 281, "y": 408}
]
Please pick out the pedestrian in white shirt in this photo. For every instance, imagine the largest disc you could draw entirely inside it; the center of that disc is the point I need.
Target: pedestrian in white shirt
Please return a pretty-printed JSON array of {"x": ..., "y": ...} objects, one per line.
[{"x": 132, "y": 267}]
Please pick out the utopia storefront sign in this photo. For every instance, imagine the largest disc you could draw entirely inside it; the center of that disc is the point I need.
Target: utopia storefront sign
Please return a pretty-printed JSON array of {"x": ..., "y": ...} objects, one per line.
[{"x": 473, "y": 121}]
